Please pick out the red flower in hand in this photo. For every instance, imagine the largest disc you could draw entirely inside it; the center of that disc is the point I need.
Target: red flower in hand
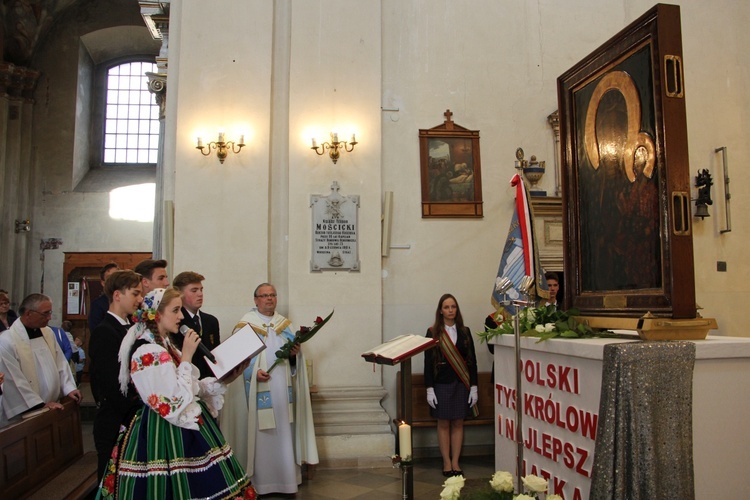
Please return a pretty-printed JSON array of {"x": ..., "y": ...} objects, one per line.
[{"x": 147, "y": 359}]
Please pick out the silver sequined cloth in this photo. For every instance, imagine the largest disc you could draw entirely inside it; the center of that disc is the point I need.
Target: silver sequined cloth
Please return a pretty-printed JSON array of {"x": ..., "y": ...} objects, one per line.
[{"x": 644, "y": 443}]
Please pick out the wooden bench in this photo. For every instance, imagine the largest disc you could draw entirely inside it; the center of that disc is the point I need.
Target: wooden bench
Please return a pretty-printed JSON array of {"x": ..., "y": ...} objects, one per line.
[
  {"x": 46, "y": 451},
  {"x": 420, "y": 410}
]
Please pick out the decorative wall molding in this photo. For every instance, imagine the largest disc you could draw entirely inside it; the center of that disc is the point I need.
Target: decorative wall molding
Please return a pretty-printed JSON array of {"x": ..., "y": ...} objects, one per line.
[{"x": 17, "y": 81}]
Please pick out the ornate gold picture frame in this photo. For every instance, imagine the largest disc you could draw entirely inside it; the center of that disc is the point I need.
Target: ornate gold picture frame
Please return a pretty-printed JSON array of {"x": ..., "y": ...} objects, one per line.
[{"x": 451, "y": 171}]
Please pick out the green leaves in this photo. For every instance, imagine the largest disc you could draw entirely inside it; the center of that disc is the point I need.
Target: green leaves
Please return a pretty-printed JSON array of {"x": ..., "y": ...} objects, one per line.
[
  {"x": 546, "y": 322},
  {"x": 303, "y": 335}
]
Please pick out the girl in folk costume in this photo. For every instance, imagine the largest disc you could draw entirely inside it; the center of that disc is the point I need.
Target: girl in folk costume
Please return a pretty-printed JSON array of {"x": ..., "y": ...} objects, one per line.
[
  {"x": 173, "y": 447},
  {"x": 450, "y": 375}
]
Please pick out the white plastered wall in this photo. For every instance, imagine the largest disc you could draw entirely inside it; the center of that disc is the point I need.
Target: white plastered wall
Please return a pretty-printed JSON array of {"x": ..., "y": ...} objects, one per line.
[{"x": 494, "y": 64}]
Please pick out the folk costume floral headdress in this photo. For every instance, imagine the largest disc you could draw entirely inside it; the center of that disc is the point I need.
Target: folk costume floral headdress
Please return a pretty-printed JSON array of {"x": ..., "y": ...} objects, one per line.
[
  {"x": 139, "y": 330},
  {"x": 149, "y": 306}
]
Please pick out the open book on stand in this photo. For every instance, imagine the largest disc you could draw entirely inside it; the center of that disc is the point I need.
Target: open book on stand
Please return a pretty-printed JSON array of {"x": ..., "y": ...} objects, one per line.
[
  {"x": 242, "y": 345},
  {"x": 396, "y": 350}
]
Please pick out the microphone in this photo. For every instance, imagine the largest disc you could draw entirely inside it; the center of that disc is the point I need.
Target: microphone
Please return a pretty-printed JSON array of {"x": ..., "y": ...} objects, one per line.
[{"x": 202, "y": 349}]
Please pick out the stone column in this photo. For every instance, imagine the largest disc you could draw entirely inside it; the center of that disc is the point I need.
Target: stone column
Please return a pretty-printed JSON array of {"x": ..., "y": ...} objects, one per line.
[
  {"x": 156, "y": 17},
  {"x": 16, "y": 106}
]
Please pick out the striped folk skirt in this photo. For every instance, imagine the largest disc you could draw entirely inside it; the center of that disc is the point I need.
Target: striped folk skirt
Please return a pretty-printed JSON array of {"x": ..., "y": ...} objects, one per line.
[{"x": 155, "y": 459}]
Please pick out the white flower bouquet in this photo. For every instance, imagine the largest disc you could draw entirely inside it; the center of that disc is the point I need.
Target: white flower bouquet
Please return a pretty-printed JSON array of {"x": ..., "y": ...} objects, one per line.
[{"x": 500, "y": 488}]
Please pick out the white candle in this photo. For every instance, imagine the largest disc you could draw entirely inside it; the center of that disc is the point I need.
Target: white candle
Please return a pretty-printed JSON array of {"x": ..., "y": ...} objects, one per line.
[
  {"x": 221, "y": 136},
  {"x": 404, "y": 440},
  {"x": 242, "y": 139},
  {"x": 315, "y": 143},
  {"x": 353, "y": 139},
  {"x": 335, "y": 137},
  {"x": 200, "y": 142}
]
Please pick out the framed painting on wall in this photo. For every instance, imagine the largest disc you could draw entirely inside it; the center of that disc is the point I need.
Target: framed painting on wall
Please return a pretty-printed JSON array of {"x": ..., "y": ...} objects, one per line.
[
  {"x": 451, "y": 171},
  {"x": 626, "y": 204}
]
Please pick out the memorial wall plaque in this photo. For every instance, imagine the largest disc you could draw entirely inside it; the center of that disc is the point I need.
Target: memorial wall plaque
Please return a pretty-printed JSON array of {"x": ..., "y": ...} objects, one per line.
[
  {"x": 626, "y": 184},
  {"x": 335, "y": 231}
]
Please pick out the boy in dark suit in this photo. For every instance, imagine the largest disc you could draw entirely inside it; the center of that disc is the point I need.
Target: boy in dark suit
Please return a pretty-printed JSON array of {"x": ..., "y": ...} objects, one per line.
[
  {"x": 207, "y": 326},
  {"x": 100, "y": 305},
  {"x": 123, "y": 288},
  {"x": 153, "y": 275}
]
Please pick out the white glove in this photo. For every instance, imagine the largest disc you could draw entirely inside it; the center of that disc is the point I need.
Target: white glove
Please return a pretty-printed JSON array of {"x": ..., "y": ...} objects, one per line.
[
  {"x": 431, "y": 398},
  {"x": 473, "y": 396}
]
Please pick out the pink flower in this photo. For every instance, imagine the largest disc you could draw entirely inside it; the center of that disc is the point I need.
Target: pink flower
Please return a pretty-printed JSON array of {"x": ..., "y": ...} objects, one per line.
[
  {"x": 153, "y": 400},
  {"x": 164, "y": 357}
]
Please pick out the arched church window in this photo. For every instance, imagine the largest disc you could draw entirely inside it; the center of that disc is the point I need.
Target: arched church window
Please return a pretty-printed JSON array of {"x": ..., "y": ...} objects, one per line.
[{"x": 131, "y": 122}]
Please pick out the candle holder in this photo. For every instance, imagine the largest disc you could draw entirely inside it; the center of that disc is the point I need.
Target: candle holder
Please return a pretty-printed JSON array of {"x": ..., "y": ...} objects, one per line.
[
  {"x": 221, "y": 146},
  {"x": 334, "y": 147},
  {"x": 407, "y": 475}
]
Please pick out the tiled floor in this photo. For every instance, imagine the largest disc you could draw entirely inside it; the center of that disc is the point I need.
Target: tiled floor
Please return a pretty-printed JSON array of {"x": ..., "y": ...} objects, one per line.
[{"x": 384, "y": 483}]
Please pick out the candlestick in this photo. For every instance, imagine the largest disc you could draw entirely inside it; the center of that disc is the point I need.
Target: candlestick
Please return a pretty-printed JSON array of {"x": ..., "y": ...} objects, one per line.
[{"x": 404, "y": 440}]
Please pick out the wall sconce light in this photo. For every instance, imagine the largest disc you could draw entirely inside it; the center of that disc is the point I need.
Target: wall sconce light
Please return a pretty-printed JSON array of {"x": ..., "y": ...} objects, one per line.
[
  {"x": 222, "y": 148},
  {"x": 703, "y": 182},
  {"x": 23, "y": 226},
  {"x": 334, "y": 147}
]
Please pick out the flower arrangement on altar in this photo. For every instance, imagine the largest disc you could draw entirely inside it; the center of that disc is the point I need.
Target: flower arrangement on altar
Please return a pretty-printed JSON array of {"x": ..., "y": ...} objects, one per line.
[
  {"x": 500, "y": 488},
  {"x": 545, "y": 322},
  {"x": 303, "y": 335}
]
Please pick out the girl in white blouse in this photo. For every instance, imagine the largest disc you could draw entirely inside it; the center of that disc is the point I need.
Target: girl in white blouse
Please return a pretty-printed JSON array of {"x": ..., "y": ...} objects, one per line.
[{"x": 173, "y": 447}]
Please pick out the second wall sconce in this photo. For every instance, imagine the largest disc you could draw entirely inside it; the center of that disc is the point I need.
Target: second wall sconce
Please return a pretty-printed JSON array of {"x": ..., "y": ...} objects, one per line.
[
  {"x": 222, "y": 148},
  {"x": 334, "y": 147}
]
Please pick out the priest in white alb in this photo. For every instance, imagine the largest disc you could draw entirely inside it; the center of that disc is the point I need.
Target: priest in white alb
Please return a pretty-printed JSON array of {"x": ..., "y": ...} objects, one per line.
[
  {"x": 37, "y": 375},
  {"x": 267, "y": 417}
]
